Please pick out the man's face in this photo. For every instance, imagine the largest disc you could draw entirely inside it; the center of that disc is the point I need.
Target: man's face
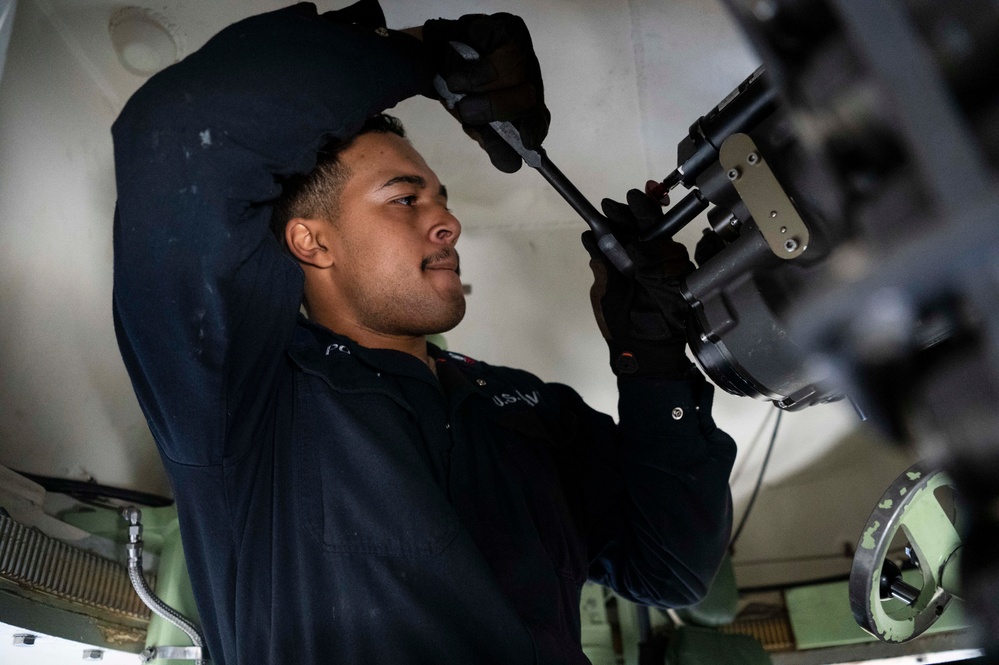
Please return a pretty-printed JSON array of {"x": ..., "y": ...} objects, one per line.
[{"x": 393, "y": 244}]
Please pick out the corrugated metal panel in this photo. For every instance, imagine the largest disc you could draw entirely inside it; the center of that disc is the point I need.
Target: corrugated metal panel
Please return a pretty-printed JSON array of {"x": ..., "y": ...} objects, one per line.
[{"x": 42, "y": 564}]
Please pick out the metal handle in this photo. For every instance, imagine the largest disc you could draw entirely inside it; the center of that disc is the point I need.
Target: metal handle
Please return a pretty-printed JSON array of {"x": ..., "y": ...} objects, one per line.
[{"x": 538, "y": 160}]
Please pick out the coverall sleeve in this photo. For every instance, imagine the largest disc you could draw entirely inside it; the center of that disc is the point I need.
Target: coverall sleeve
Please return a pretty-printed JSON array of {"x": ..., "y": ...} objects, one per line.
[
  {"x": 658, "y": 517},
  {"x": 205, "y": 301}
]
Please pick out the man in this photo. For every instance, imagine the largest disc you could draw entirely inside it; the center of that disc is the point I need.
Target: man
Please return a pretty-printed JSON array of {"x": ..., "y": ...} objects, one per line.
[{"x": 348, "y": 493}]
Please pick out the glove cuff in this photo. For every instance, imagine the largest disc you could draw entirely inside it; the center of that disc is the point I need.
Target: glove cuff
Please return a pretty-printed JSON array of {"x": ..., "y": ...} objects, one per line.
[{"x": 637, "y": 360}]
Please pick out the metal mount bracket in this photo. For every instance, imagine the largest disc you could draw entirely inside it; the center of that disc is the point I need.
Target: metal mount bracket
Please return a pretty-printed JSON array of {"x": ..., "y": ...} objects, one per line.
[
  {"x": 768, "y": 203},
  {"x": 171, "y": 653}
]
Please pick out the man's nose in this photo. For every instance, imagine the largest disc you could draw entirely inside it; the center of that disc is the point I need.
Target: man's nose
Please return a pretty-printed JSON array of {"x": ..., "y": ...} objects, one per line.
[{"x": 446, "y": 229}]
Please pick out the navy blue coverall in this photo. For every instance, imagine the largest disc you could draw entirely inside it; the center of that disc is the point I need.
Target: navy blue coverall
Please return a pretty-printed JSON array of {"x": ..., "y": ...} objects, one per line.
[{"x": 340, "y": 504}]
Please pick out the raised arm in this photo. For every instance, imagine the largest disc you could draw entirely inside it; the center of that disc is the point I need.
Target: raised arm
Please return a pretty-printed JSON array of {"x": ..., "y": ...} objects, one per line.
[
  {"x": 661, "y": 527},
  {"x": 204, "y": 300}
]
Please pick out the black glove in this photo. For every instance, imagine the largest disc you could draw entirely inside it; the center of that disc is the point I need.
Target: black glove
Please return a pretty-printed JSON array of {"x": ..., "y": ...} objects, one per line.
[
  {"x": 503, "y": 84},
  {"x": 643, "y": 318}
]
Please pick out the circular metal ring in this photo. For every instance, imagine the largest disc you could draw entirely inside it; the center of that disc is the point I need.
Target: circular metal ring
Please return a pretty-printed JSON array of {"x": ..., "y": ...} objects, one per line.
[{"x": 912, "y": 505}]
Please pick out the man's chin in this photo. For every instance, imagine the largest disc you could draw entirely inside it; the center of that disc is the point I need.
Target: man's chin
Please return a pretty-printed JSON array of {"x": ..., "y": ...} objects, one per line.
[{"x": 450, "y": 320}]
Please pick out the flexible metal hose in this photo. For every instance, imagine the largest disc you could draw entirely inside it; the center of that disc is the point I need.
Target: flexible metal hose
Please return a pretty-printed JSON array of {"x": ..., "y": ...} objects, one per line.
[{"x": 152, "y": 601}]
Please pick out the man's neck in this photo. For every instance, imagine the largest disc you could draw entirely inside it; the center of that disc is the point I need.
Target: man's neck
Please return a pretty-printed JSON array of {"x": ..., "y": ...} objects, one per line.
[{"x": 413, "y": 345}]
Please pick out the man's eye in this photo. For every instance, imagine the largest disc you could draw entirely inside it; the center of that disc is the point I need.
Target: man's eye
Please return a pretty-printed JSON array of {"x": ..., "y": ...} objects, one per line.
[{"x": 406, "y": 200}]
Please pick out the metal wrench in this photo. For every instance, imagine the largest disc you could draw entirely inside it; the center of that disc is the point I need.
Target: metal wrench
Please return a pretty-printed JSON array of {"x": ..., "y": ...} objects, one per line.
[{"x": 538, "y": 160}]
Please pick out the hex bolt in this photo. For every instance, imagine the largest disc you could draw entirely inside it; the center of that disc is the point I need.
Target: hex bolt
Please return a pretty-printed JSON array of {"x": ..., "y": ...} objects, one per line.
[
  {"x": 733, "y": 174},
  {"x": 753, "y": 159},
  {"x": 24, "y": 640},
  {"x": 677, "y": 413},
  {"x": 791, "y": 244},
  {"x": 93, "y": 654}
]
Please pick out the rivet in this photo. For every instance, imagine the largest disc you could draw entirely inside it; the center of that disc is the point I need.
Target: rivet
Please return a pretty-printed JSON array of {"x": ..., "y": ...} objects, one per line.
[
  {"x": 733, "y": 174},
  {"x": 753, "y": 159},
  {"x": 677, "y": 413},
  {"x": 480, "y": 382},
  {"x": 783, "y": 229},
  {"x": 24, "y": 640},
  {"x": 93, "y": 654},
  {"x": 773, "y": 213}
]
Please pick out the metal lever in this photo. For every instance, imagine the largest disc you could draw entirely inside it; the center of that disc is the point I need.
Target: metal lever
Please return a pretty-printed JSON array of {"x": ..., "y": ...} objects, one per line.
[{"x": 538, "y": 160}]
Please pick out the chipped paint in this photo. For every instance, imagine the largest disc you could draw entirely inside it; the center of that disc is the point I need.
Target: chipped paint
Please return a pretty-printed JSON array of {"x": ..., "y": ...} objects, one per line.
[
  {"x": 886, "y": 504},
  {"x": 913, "y": 475},
  {"x": 206, "y": 138},
  {"x": 867, "y": 541},
  {"x": 902, "y": 491}
]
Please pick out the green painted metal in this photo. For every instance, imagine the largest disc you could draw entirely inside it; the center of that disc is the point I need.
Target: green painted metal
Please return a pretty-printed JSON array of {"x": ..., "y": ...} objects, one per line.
[
  {"x": 922, "y": 519},
  {"x": 820, "y": 615}
]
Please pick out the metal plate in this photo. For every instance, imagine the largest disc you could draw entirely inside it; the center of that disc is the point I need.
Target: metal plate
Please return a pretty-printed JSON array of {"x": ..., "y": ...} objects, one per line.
[{"x": 775, "y": 214}]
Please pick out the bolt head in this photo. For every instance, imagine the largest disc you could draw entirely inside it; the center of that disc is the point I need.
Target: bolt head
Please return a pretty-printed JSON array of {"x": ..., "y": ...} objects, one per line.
[
  {"x": 791, "y": 244},
  {"x": 753, "y": 159},
  {"x": 733, "y": 174}
]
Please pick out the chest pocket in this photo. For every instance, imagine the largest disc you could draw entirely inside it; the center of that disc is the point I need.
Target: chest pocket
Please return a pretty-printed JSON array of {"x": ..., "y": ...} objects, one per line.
[
  {"x": 538, "y": 450},
  {"x": 362, "y": 484}
]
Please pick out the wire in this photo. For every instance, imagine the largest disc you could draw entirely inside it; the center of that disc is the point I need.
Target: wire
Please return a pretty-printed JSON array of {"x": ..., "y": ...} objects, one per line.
[
  {"x": 89, "y": 491},
  {"x": 759, "y": 481},
  {"x": 748, "y": 449}
]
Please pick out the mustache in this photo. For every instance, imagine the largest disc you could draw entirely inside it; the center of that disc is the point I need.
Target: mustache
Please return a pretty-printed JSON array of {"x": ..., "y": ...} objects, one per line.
[{"x": 443, "y": 255}]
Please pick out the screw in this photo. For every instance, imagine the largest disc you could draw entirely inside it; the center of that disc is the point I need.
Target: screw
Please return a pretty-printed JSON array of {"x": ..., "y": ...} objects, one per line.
[
  {"x": 24, "y": 640},
  {"x": 733, "y": 174},
  {"x": 783, "y": 229},
  {"x": 753, "y": 159},
  {"x": 765, "y": 10},
  {"x": 93, "y": 654},
  {"x": 677, "y": 413},
  {"x": 791, "y": 244}
]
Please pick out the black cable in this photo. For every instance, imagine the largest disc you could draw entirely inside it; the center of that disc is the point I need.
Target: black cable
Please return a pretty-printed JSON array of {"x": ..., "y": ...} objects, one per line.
[
  {"x": 759, "y": 481},
  {"x": 87, "y": 491}
]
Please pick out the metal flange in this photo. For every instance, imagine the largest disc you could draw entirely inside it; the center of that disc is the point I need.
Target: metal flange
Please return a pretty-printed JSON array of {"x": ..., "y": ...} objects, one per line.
[{"x": 884, "y": 604}]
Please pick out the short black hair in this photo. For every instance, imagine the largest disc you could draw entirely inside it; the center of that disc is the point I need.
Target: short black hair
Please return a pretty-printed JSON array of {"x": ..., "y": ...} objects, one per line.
[{"x": 316, "y": 195}]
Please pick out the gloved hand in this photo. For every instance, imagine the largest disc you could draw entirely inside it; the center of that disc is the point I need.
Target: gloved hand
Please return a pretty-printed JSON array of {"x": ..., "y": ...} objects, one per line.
[
  {"x": 643, "y": 318},
  {"x": 504, "y": 84}
]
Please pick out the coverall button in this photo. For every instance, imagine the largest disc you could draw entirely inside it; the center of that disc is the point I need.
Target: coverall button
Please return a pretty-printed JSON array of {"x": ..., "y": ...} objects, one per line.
[
  {"x": 677, "y": 413},
  {"x": 480, "y": 382}
]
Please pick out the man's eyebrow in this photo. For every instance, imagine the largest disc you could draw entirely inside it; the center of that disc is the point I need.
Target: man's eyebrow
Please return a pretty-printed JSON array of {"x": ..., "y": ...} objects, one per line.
[{"x": 417, "y": 180}]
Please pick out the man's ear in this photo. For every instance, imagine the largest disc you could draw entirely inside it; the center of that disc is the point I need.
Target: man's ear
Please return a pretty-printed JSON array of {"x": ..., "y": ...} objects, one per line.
[{"x": 306, "y": 238}]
